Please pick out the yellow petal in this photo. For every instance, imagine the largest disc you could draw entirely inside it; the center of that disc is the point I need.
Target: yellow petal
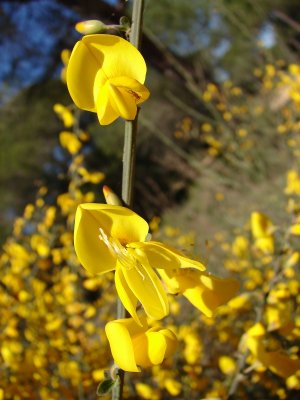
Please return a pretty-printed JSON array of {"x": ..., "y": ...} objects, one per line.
[
  {"x": 81, "y": 73},
  {"x": 147, "y": 287},
  {"x": 92, "y": 253},
  {"x": 123, "y": 102},
  {"x": 212, "y": 282},
  {"x": 195, "y": 295},
  {"x": 116, "y": 56},
  {"x": 161, "y": 345},
  {"x": 118, "y": 222},
  {"x": 105, "y": 111},
  {"x": 215, "y": 292},
  {"x": 157, "y": 346},
  {"x": 171, "y": 341},
  {"x": 119, "y": 335},
  {"x": 172, "y": 283},
  {"x": 165, "y": 257},
  {"x": 127, "y": 298},
  {"x": 153, "y": 347},
  {"x": 140, "y": 346},
  {"x": 117, "y": 96},
  {"x": 136, "y": 89},
  {"x": 205, "y": 292}
]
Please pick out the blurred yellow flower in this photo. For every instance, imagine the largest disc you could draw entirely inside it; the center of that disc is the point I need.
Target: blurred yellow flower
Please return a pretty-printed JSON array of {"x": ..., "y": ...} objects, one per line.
[
  {"x": 277, "y": 361},
  {"x": 133, "y": 345},
  {"x": 105, "y": 75},
  {"x": 173, "y": 386},
  {"x": 64, "y": 114},
  {"x": 92, "y": 177},
  {"x": 293, "y": 182},
  {"x": 262, "y": 230},
  {"x": 109, "y": 237},
  {"x": 227, "y": 365},
  {"x": 146, "y": 391},
  {"x": 69, "y": 142},
  {"x": 65, "y": 56}
]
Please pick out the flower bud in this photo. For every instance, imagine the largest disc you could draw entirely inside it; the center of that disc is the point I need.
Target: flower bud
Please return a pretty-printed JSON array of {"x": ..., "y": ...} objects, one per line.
[
  {"x": 91, "y": 26},
  {"x": 111, "y": 197}
]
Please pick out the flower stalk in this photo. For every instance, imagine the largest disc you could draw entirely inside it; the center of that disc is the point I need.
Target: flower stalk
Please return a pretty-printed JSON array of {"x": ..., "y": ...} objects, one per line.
[{"x": 129, "y": 155}]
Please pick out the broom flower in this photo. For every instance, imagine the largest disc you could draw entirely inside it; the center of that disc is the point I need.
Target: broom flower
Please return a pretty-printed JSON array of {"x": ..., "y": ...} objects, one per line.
[
  {"x": 106, "y": 75},
  {"x": 110, "y": 237},
  {"x": 133, "y": 345}
]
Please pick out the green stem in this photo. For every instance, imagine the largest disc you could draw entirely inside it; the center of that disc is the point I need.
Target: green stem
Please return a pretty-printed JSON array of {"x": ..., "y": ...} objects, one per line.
[{"x": 129, "y": 153}]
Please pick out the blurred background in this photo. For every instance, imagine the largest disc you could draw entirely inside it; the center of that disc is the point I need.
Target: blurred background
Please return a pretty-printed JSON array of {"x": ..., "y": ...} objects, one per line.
[{"x": 187, "y": 45}]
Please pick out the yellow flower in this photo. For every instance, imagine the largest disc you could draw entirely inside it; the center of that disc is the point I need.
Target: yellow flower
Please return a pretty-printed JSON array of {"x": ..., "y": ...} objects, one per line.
[
  {"x": 262, "y": 230},
  {"x": 70, "y": 142},
  {"x": 277, "y": 361},
  {"x": 133, "y": 345},
  {"x": 109, "y": 237},
  {"x": 227, "y": 365},
  {"x": 206, "y": 292},
  {"x": 64, "y": 114},
  {"x": 92, "y": 177},
  {"x": 65, "y": 57},
  {"x": 105, "y": 75}
]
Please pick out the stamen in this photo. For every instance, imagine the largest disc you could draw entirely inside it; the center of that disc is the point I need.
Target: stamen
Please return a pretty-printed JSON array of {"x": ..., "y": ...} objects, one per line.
[
  {"x": 138, "y": 264},
  {"x": 125, "y": 258}
]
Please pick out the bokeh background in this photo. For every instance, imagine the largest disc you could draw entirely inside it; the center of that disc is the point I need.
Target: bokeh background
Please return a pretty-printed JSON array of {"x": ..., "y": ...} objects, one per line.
[
  {"x": 186, "y": 45},
  {"x": 218, "y": 139}
]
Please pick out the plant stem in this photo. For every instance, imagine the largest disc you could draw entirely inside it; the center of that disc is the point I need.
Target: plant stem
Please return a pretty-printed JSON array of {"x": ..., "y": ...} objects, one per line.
[{"x": 129, "y": 153}]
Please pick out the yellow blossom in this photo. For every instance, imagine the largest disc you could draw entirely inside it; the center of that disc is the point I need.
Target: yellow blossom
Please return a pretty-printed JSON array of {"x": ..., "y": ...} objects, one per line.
[
  {"x": 65, "y": 56},
  {"x": 146, "y": 391},
  {"x": 109, "y": 237},
  {"x": 293, "y": 182},
  {"x": 277, "y": 361},
  {"x": 173, "y": 386},
  {"x": 135, "y": 346},
  {"x": 105, "y": 75},
  {"x": 93, "y": 177},
  {"x": 227, "y": 365},
  {"x": 64, "y": 114},
  {"x": 262, "y": 230},
  {"x": 69, "y": 141}
]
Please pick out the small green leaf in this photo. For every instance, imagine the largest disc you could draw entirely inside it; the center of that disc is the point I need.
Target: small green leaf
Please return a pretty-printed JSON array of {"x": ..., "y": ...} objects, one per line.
[{"x": 106, "y": 386}]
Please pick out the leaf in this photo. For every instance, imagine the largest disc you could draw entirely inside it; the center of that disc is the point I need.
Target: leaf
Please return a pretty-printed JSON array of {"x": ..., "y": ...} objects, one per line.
[{"x": 106, "y": 386}]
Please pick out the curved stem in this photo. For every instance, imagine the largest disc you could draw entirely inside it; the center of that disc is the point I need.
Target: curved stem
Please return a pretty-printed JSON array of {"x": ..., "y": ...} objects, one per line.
[{"x": 129, "y": 153}]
